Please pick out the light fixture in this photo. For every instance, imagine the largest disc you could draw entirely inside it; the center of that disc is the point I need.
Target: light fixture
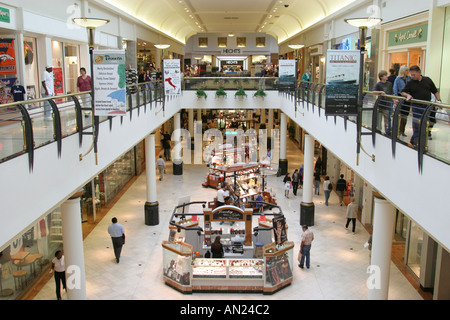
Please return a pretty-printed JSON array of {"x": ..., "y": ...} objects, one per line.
[
  {"x": 231, "y": 34},
  {"x": 363, "y": 22},
  {"x": 162, "y": 46},
  {"x": 296, "y": 46},
  {"x": 90, "y": 24}
]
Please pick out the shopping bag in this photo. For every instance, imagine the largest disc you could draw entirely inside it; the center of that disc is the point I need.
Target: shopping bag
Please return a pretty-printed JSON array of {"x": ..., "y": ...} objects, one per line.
[{"x": 300, "y": 256}]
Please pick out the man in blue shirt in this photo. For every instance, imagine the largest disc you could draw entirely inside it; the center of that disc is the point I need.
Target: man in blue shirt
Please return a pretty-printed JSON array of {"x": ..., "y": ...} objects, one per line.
[{"x": 117, "y": 233}]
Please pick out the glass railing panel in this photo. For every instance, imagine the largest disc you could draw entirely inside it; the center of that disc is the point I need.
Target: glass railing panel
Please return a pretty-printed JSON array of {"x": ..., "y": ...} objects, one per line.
[
  {"x": 230, "y": 83},
  {"x": 12, "y": 132},
  {"x": 42, "y": 123},
  {"x": 439, "y": 135}
]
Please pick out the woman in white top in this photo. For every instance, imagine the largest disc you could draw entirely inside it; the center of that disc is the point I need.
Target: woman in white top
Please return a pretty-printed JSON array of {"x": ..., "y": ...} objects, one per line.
[{"x": 59, "y": 267}]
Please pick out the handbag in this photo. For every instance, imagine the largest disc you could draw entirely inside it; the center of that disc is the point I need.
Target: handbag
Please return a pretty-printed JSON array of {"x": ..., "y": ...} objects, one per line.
[{"x": 300, "y": 255}]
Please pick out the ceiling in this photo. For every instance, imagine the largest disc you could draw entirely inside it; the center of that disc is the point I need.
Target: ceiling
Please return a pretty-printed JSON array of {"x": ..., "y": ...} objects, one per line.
[{"x": 181, "y": 19}]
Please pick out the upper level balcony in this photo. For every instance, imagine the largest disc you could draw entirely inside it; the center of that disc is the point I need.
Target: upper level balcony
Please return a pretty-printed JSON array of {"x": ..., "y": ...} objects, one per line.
[{"x": 45, "y": 161}]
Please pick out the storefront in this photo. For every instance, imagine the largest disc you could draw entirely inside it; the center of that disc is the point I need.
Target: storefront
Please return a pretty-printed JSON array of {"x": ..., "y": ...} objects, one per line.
[{"x": 404, "y": 42}]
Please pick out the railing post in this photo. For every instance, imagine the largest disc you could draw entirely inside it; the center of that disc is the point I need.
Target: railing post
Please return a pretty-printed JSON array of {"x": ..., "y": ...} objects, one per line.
[
  {"x": 28, "y": 136},
  {"x": 57, "y": 135}
]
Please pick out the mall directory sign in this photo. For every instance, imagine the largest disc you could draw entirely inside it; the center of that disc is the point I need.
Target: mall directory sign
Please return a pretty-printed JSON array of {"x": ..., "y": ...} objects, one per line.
[
  {"x": 342, "y": 82},
  {"x": 109, "y": 83}
]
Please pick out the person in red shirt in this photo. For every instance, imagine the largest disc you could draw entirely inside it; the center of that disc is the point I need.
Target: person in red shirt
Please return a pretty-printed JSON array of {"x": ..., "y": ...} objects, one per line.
[{"x": 83, "y": 81}]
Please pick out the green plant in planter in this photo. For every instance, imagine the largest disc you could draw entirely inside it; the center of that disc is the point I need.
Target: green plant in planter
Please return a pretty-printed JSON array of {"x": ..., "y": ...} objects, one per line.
[
  {"x": 240, "y": 93},
  {"x": 200, "y": 93},
  {"x": 260, "y": 93},
  {"x": 221, "y": 93}
]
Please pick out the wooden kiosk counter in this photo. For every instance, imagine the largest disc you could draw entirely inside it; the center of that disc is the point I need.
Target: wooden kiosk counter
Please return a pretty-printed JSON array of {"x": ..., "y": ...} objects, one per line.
[{"x": 253, "y": 260}]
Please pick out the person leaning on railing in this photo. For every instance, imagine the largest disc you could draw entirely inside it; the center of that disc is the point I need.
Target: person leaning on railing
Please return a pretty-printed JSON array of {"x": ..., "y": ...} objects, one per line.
[
  {"x": 399, "y": 83},
  {"x": 385, "y": 87},
  {"x": 419, "y": 88}
]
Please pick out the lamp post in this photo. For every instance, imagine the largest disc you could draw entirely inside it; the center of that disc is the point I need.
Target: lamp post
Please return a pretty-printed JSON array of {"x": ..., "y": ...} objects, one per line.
[
  {"x": 362, "y": 24},
  {"x": 90, "y": 24},
  {"x": 162, "y": 47}
]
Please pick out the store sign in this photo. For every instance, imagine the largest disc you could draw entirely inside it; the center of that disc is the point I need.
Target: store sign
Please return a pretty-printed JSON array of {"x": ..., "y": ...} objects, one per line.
[
  {"x": 408, "y": 35},
  {"x": 172, "y": 79},
  {"x": 5, "y": 15},
  {"x": 342, "y": 82},
  {"x": 227, "y": 213},
  {"x": 231, "y": 51},
  {"x": 109, "y": 83}
]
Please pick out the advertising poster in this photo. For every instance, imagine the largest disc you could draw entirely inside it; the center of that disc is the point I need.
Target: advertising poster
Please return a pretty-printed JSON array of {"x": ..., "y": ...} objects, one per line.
[
  {"x": 58, "y": 81},
  {"x": 109, "y": 83},
  {"x": 172, "y": 78},
  {"x": 287, "y": 73},
  {"x": 279, "y": 229},
  {"x": 7, "y": 56},
  {"x": 342, "y": 82}
]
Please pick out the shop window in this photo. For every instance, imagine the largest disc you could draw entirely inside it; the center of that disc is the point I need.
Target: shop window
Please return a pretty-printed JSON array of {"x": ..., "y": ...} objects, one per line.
[
  {"x": 415, "y": 248},
  {"x": 241, "y": 42},
  {"x": 31, "y": 252},
  {"x": 31, "y": 69},
  {"x": 222, "y": 42},
  {"x": 71, "y": 67},
  {"x": 203, "y": 42},
  {"x": 260, "y": 42}
]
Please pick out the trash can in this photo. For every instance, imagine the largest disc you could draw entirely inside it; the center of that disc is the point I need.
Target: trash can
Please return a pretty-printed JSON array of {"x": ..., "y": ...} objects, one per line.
[
  {"x": 151, "y": 211},
  {"x": 177, "y": 167},
  {"x": 307, "y": 214}
]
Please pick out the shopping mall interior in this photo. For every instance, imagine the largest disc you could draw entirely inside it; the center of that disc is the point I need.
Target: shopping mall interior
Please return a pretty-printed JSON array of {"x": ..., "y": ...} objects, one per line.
[{"x": 205, "y": 124}]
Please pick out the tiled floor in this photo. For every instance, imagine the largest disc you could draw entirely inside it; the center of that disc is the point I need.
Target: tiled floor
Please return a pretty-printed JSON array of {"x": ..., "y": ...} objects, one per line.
[{"x": 338, "y": 259}]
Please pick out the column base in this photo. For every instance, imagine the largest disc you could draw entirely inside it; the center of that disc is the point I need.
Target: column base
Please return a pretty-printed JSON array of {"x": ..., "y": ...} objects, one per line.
[
  {"x": 307, "y": 214},
  {"x": 283, "y": 166},
  {"x": 177, "y": 167},
  {"x": 151, "y": 210}
]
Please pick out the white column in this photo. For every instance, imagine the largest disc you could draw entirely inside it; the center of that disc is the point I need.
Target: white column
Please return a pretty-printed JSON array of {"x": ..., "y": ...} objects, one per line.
[
  {"x": 176, "y": 137},
  {"x": 283, "y": 133},
  {"x": 73, "y": 248},
  {"x": 191, "y": 122},
  {"x": 150, "y": 163},
  {"x": 308, "y": 169},
  {"x": 270, "y": 123},
  {"x": 383, "y": 225}
]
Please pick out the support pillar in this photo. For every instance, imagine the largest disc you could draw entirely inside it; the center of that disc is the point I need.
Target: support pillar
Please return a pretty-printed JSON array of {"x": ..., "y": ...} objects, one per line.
[
  {"x": 151, "y": 207},
  {"x": 176, "y": 151},
  {"x": 307, "y": 204},
  {"x": 383, "y": 226},
  {"x": 73, "y": 248},
  {"x": 283, "y": 133}
]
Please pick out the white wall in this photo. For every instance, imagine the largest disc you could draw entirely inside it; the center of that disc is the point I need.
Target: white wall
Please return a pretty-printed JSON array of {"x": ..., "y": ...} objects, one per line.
[{"x": 27, "y": 196}]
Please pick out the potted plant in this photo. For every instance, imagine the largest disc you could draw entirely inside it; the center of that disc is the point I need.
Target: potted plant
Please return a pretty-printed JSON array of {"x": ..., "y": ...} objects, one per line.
[
  {"x": 220, "y": 93},
  {"x": 200, "y": 93},
  {"x": 240, "y": 93},
  {"x": 260, "y": 93}
]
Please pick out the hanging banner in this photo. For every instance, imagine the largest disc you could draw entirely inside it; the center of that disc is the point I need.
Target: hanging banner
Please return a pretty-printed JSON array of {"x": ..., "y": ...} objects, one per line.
[
  {"x": 342, "y": 82},
  {"x": 109, "y": 83},
  {"x": 279, "y": 229},
  {"x": 172, "y": 79},
  {"x": 287, "y": 73},
  {"x": 7, "y": 57}
]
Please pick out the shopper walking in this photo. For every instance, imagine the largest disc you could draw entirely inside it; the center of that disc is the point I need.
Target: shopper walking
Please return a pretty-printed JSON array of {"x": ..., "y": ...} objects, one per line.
[
  {"x": 316, "y": 182},
  {"x": 59, "y": 268},
  {"x": 399, "y": 84},
  {"x": 352, "y": 210},
  {"x": 326, "y": 189},
  {"x": 117, "y": 233},
  {"x": 295, "y": 181},
  {"x": 341, "y": 188},
  {"x": 48, "y": 90},
  {"x": 419, "y": 88},
  {"x": 287, "y": 185},
  {"x": 305, "y": 246},
  {"x": 161, "y": 165}
]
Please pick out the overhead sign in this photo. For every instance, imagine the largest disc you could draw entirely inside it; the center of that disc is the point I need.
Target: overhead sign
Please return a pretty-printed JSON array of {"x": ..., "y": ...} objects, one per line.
[
  {"x": 229, "y": 213},
  {"x": 342, "y": 82},
  {"x": 109, "y": 83},
  {"x": 172, "y": 78},
  {"x": 5, "y": 15}
]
